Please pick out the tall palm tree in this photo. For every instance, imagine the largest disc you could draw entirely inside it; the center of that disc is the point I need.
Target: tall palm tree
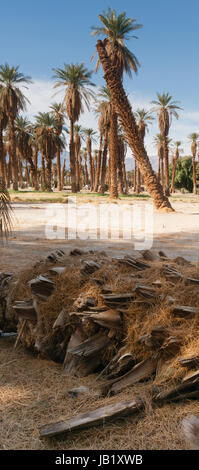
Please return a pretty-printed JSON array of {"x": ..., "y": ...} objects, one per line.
[
  {"x": 175, "y": 159},
  {"x": 143, "y": 118},
  {"x": 90, "y": 135},
  {"x": 127, "y": 119},
  {"x": 48, "y": 141},
  {"x": 166, "y": 108},
  {"x": 159, "y": 143},
  {"x": 116, "y": 29},
  {"x": 77, "y": 81},
  {"x": 104, "y": 109},
  {"x": 23, "y": 132},
  {"x": 194, "y": 140},
  {"x": 58, "y": 116},
  {"x": 78, "y": 132},
  {"x": 12, "y": 100}
]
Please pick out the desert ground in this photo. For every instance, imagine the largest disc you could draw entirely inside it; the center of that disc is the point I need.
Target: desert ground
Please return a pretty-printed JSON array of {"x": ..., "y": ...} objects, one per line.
[{"x": 34, "y": 391}]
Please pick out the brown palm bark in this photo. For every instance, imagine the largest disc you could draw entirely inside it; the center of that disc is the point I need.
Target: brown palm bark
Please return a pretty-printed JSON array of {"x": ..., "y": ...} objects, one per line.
[
  {"x": 43, "y": 170},
  {"x": 113, "y": 153},
  {"x": 166, "y": 165},
  {"x": 48, "y": 174},
  {"x": 99, "y": 162},
  {"x": 63, "y": 174},
  {"x": 72, "y": 157},
  {"x": 127, "y": 119},
  {"x": 2, "y": 156},
  {"x": 194, "y": 150},
  {"x": 59, "y": 185},
  {"x": 13, "y": 154},
  {"x": 104, "y": 161},
  {"x": 135, "y": 175}
]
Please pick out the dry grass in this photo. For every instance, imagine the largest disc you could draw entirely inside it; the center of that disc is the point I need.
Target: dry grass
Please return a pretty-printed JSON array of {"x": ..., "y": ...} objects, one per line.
[{"x": 33, "y": 392}]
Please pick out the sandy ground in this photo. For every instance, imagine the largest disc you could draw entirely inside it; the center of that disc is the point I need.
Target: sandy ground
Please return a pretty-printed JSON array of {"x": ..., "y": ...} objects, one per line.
[{"x": 175, "y": 233}]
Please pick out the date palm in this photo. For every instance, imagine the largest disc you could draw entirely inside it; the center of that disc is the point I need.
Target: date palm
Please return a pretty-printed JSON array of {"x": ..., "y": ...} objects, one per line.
[
  {"x": 116, "y": 29},
  {"x": 193, "y": 138},
  {"x": 175, "y": 159},
  {"x": 90, "y": 136},
  {"x": 143, "y": 117},
  {"x": 128, "y": 122},
  {"x": 23, "y": 132},
  {"x": 12, "y": 100},
  {"x": 58, "y": 115},
  {"x": 48, "y": 140},
  {"x": 77, "y": 140},
  {"x": 166, "y": 108},
  {"x": 76, "y": 79},
  {"x": 159, "y": 144},
  {"x": 104, "y": 111}
]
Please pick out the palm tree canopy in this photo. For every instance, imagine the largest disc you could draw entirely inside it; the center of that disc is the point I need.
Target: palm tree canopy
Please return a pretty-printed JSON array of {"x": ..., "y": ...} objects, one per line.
[
  {"x": 166, "y": 107},
  {"x": 193, "y": 137},
  {"x": 116, "y": 30},
  {"x": 76, "y": 78},
  {"x": 11, "y": 97}
]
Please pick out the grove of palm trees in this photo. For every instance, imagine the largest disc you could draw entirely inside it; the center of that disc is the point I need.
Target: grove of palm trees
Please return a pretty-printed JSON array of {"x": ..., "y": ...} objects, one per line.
[{"x": 99, "y": 204}]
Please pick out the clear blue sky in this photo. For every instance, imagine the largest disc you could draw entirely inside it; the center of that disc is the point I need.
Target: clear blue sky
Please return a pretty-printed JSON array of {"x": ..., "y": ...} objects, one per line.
[{"x": 40, "y": 35}]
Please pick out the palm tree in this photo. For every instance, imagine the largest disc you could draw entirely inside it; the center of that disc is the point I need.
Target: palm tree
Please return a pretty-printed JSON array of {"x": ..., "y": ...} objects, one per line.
[
  {"x": 159, "y": 143},
  {"x": 58, "y": 116},
  {"x": 77, "y": 80},
  {"x": 90, "y": 135},
  {"x": 127, "y": 119},
  {"x": 104, "y": 110},
  {"x": 175, "y": 159},
  {"x": 23, "y": 132},
  {"x": 166, "y": 108},
  {"x": 48, "y": 141},
  {"x": 116, "y": 29},
  {"x": 12, "y": 100},
  {"x": 77, "y": 141},
  {"x": 143, "y": 117},
  {"x": 194, "y": 139}
]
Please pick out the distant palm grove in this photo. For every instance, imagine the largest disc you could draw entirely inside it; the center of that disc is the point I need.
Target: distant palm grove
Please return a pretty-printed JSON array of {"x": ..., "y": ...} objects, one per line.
[{"x": 31, "y": 153}]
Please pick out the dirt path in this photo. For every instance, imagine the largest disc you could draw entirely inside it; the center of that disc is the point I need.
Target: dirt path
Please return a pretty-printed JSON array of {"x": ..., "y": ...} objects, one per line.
[{"x": 175, "y": 233}]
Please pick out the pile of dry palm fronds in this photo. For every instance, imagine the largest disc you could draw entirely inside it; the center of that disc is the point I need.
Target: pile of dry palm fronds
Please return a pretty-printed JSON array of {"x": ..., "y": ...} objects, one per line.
[{"x": 130, "y": 319}]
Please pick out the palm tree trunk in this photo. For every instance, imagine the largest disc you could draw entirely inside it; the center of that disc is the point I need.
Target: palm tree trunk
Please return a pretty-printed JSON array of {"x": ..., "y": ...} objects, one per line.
[
  {"x": 43, "y": 171},
  {"x": 104, "y": 161},
  {"x": 72, "y": 158},
  {"x": 166, "y": 165},
  {"x": 123, "y": 108},
  {"x": 48, "y": 174},
  {"x": 113, "y": 153},
  {"x": 2, "y": 157},
  {"x": 63, "y": 174},
  {"x": 124, "y": 177},
  {"x": 99, "y": 162},
  {"x": 159, "y": 179},
  {"x": 194, "y": 175},
  {"x": 13, "y": 155},
  {"x": 59, "y": 185},
  {"x": 135, "y": 175},
  {"x": 120, "y": 175},
  {"x": 173, "y": 176},
  {"x": 138, "y": 181}
]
